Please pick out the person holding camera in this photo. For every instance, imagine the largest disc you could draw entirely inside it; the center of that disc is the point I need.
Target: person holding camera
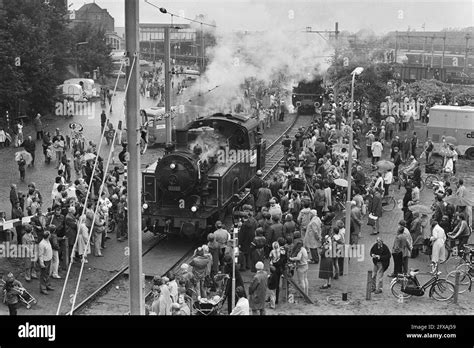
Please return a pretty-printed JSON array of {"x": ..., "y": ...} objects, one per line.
[{"x": 380, "y": 254}]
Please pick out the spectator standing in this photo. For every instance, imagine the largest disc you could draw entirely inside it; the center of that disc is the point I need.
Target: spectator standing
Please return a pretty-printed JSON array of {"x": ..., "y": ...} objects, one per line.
[
  {"x": 45, "y": 255},
  {"x": 30, "y": 146},
  {"x": 21, "y": 167},
  {"x": 258, "y": 290},
  {"x": 377, "y": 149},
  {"x": 38, "y": 127},
  {"x": 200, "y": 266},
  {"x": 381, "y": 258},
  {"x": 11, "y": 291},
  {"x": 312, "y": 239},
  {"x": 103, "y": 121}
]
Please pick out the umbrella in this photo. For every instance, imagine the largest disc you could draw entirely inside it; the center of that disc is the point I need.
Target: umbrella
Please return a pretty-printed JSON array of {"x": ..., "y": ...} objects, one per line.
[
  {"x": 89, "y": 156},
  {"x": 341, "y": 182},
  {"x": 451, "y": 140},
  {"x": 419, "y": 208},
  {"x": 385, "y": 165},
  {"x": 459, "y": 201},
  {"x": 26, "y": 156},
  {"x": 446, "y": 152}
]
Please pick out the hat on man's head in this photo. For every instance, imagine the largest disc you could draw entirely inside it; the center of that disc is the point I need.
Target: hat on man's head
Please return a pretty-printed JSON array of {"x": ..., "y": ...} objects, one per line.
[
  {"x": 259, "y": 265},
  {"x": 259, "y": 172}
]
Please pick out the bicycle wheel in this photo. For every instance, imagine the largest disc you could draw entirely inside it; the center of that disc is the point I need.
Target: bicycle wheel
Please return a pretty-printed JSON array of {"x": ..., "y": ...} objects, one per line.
[
  {"x": 465, "y": 280},
  {"x": 448, "y": 254},
  {"x": 442, "y": 290},
  {"x": 429, "y": 180},
  {"x": 396, "y": 288},
  {"x": 422, "y": 185},
  {"x": 389, "y": 204}
]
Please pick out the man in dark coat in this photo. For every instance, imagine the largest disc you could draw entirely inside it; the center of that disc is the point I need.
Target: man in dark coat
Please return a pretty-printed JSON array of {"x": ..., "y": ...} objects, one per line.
[
  {"x": 71, "y": 227},
  {"x": 13, "y": 196},
  {"x": 39, "y": 222},
  {"x": 406, "y": 147},
  {"x": 276, "y": 230},
  {"x": 57, "y": 219},
  {"x": 258, "y": 290},
  {"x": 246, "y": 236},
  {"x": 416, "y": 231},
  {"x": 30, "y": 146},
  {"x": 380, "y": 254},
  {"x": 256, "y": 183}
]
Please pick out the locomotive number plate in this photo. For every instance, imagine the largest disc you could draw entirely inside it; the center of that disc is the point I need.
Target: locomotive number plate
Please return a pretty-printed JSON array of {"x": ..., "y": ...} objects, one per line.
[{"x": 174, "y": 188}]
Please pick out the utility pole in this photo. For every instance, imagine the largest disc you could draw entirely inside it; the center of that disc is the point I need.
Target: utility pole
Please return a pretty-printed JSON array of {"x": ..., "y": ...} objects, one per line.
[
  {"x": 467, "y": 53},
  {"x": 423, "y": 54},
  {"x": 202, "y": 50},
  {"x": 168, "y": 118},
  {"x": 396, "y": 47},
  {"x": 133, "y": 166},
  {"x": 432, "y": 51},
  {"x": 444, "y": 50}
]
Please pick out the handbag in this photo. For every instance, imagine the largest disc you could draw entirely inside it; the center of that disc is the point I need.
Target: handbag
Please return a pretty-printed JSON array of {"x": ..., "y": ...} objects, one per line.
[{"x": 372, "y": 219}]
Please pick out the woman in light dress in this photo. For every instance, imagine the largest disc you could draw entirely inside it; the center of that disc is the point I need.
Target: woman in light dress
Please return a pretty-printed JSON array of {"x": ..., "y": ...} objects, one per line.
[{"x": 82, "y": 239}]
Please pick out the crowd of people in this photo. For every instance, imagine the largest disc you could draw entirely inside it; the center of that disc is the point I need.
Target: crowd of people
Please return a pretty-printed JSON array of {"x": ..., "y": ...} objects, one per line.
[{"x": 50, "y": 232}]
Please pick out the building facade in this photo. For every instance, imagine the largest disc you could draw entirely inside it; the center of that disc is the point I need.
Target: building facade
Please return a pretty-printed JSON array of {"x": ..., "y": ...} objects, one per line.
[{"x": 95, "y": 15}]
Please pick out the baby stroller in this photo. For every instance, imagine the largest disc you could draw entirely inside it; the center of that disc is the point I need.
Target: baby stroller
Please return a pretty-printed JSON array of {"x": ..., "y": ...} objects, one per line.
[
  {"x": 432, "y": 167},
  {"x": 25, "y": 297},
  {"x": 213, "y": 306}
]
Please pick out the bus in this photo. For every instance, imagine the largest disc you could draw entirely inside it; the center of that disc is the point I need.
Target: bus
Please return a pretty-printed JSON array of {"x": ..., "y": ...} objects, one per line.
[{"x": 453, "y": 121}]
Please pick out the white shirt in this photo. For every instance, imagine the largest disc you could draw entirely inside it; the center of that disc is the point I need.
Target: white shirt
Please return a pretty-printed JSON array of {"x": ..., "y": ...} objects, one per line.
[
  {"x": 45, "y": 252},
  {"x": 379, "y": 183},
  {"x": 242, "y": 307},
  {"x": 388, "y": 178},
  {"x": 377, "y": 149}
]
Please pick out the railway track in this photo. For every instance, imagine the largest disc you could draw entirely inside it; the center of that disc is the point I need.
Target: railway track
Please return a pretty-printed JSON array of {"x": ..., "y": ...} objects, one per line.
[
  {"x": 113, "y": 296},
  {"x": 275, "y": 151}
]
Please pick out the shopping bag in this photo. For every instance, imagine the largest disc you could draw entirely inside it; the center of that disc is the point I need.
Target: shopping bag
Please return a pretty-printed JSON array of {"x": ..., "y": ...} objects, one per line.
[{"x": 372, "y": 220}]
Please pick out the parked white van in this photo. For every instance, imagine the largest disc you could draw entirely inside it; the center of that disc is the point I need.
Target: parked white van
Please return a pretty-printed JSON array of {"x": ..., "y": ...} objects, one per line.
[
  {"x": 454, "y": 121},
  {"x": 87, "y": 84},
  {"x": 72, "y": 91}
]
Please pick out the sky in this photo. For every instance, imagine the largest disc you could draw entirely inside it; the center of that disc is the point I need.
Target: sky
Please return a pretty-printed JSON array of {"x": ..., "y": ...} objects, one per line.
[{"x": 380, "y": 16}]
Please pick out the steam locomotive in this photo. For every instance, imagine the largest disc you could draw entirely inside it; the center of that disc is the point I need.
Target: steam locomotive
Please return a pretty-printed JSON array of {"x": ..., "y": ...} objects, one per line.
[{"x": 195, "y": 183}]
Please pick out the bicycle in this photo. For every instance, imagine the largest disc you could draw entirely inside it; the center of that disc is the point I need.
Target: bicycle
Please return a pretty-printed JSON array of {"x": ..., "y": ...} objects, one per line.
[
  {"x": 432, "y": 179},
  {"x": 388, "y": 202},
  {"x": 440, "y": 289},
  {"x": 465, "y": 268},
  {"x": 451, "y": 249},
  {"x": 402, "y": 182}
]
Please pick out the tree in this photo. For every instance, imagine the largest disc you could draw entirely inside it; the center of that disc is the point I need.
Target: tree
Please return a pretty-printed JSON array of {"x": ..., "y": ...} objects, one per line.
[
  {"x": 370, "y": 87},
  {"x": 93, "y": 51},
  {"x": 37, "y": 34}
]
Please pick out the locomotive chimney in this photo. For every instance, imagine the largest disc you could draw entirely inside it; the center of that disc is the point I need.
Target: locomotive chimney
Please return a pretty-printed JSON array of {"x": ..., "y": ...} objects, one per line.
[{"x": 181, "y": 139}]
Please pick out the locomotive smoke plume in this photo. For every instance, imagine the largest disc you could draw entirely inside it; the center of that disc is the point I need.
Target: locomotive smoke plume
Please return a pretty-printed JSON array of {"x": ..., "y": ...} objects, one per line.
[
  {"x": 281, "y": 51},
  {"x": 210, "y": 143}
]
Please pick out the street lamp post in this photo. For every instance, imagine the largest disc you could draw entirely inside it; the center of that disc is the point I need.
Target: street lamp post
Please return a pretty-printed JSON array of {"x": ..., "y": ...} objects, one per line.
[
  {"x": 235, "y": 254},
  {"x": 357, "y": 71}
]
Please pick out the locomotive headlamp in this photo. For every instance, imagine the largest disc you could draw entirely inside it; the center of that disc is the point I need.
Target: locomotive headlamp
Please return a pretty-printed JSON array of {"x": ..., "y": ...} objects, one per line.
[
  {"x": 194, "y": 209},
  {"x": 145, "y": 206},
  {"x": 172, "y": 166}
]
